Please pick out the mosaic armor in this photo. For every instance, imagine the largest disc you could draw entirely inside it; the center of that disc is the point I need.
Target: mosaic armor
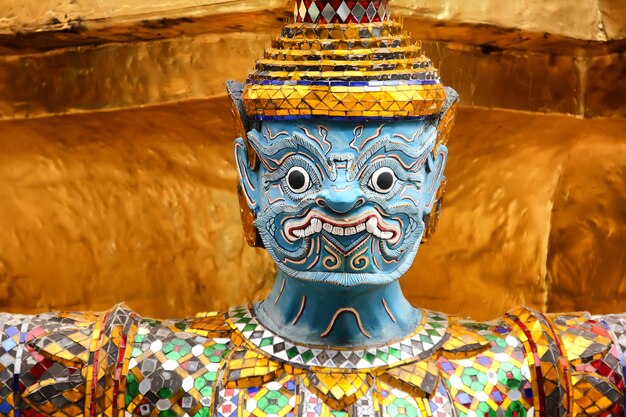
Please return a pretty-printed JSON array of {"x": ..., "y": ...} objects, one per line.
[{"x": 230, "y": 365}]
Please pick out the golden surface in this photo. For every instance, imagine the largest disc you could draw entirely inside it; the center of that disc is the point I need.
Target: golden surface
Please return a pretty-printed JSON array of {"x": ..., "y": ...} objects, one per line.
[
  {"x": 141, "y": 206},
  {"x": 580, "y": 19},
  {"x": 587, "y": 260},
  {"x": 511, "y": 79},
  {"x": 58, "y": 15},
  {"x": 491, "y": 249},
  {"x": 123, "y": 75},
  {"x": 137, "y": 206},
  {"x": 62, "y": 56}
]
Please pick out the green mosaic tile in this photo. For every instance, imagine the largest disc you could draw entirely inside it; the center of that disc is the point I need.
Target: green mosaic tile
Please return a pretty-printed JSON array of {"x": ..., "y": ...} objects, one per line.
[
  {"x": 484, "y": 408},
  {"x": 308, "y": 355},
  {"x": 266, "y": 341},
  {"x": 401, "y": 407},
  {"x": 164, "y": 393},
  {"x": 203, "y": 412},
  {"x": 132, "y": 389},
  {"x": 249, "y": 327},
  {"x": 515, "y": 409},
  {"x": 292, "y": 352},
  {"x": 272, "y": 402},
  {"x": 425, "y": 338},
  {"x": 395, "y": 353}
]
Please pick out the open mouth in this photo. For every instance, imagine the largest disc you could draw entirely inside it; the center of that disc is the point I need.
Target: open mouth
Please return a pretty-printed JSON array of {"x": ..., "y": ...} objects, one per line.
[{"x": 314, "y": 222}]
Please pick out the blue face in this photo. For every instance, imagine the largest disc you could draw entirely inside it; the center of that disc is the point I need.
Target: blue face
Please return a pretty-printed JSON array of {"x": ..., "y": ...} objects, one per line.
[{"x": 342, "y": 202}]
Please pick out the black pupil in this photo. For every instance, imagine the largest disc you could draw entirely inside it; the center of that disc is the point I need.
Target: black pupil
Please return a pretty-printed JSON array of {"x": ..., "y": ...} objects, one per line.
[
  {"x": 384, "y": 180},
  {"x": 296, "y": 180}
]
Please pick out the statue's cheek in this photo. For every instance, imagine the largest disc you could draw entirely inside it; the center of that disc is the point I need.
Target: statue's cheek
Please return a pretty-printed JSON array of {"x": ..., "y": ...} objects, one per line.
[
  {"x": 271, "y": 224},
  {"x": 411, "y": 194}
]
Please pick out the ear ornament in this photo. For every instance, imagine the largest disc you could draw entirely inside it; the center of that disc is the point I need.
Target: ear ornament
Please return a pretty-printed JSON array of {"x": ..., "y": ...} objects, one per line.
[
  {"x": 251, "y": 233},
  {"x": 431, "y": 219}
]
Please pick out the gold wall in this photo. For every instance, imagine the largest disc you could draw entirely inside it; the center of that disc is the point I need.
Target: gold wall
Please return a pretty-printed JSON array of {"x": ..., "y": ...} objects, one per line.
[
  {"x": 117, "y": 181},
  {"x": 139, "y": 205}
]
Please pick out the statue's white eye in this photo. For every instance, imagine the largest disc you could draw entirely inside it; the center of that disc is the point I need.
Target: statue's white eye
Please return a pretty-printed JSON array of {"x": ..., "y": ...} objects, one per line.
[
  {"x": 383, "y": 180},
  {"x": 298, "y": 179}
]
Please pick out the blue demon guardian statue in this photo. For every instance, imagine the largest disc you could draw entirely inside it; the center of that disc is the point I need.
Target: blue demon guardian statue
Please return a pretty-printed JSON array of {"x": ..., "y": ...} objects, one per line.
[{"x": 343, "y": 127}]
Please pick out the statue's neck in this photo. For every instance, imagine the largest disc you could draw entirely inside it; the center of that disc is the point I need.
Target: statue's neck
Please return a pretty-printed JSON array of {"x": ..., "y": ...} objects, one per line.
[{"x": 328, "y": 314}]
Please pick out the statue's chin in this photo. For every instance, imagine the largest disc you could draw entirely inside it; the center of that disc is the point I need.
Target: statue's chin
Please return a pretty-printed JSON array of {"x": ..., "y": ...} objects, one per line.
[{"x": 347, "y": 279}]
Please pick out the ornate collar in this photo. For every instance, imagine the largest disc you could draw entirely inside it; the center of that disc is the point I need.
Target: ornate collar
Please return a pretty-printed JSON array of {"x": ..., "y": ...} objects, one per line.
[
  {"x": 340, "y": 377},
  {"x": 426, "y": 339}
]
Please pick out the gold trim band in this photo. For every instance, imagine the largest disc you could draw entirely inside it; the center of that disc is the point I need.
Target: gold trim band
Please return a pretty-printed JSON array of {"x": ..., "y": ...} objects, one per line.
[{"x": 343, "y": 101}]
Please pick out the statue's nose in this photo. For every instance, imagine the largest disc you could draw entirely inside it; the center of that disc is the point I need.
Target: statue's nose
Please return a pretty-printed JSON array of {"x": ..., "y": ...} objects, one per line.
[{"x": 340, "y": 200}]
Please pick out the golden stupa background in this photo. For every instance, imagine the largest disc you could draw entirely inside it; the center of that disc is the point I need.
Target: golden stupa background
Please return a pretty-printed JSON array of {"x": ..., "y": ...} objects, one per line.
[{"x": 117, "y": 181}]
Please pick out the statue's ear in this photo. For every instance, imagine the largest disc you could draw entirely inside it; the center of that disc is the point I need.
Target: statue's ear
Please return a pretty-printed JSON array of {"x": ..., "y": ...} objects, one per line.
[
  {"x": 435, "y": 165},
  {"x": 436, "y": 162},
  {"x": 247, "y": 190},
  {"x": 245, "y": 158},
  {"x": 434, "y": 189},
  {"x": 246, "y": 162},
  {"x": 241, "y": 122},
  {"x": 447, "y": 117},
  {"x": 248, "y": 177},
  {"x": 435, "y": 184}
]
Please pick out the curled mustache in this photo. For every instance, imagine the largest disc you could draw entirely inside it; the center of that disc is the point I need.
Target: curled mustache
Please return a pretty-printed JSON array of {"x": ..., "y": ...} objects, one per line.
[{"x": 380, "y": 220}]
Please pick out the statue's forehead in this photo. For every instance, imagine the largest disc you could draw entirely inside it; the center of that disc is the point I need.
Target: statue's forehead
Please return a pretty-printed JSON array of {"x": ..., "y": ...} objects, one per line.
[{"x": 347, "y": 136}]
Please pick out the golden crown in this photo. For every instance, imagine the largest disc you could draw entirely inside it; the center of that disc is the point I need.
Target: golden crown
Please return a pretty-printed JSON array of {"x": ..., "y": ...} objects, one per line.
[{"x": 343, "y": 59}]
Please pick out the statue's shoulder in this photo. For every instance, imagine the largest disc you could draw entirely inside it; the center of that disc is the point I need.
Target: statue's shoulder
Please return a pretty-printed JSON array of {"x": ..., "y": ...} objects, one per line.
[
  {"x": 77, "y": 338},
  {"x": 575, "y": 336},
  {"x": 572, "y": 338},
  {"x": 174, "y": 364},
  {"x": 485, "y": 367},
  {"x": 113, "y": 360},
  {"x": 528, "y": 359}
]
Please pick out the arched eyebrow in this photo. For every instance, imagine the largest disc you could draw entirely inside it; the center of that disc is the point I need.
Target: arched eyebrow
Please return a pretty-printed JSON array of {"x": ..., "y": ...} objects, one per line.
[
  {"x": 388, "y": 145},
  {"x": 294, "y": 143}
]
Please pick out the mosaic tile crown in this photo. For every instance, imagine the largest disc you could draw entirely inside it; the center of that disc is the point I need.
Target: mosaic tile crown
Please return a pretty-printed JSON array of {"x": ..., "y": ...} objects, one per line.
[{"x": 343, "y": 60}]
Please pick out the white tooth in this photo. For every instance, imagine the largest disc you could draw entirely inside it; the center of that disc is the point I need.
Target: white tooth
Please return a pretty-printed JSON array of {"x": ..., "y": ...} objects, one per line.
[
  {"x": 327, "y": 227},
  {"x": 350, "y": 231},
  {"x": 338, "y": 231},
  {"x": 386, "y": 235},
  {"x": 309, "y": 230},
  {"x": 372, "y": 225},
  {"x": 376, "y": 232},
  {"x": 299, "y": 233},
  {"x": 360, "y": 227},
  {"x": 317, "y": 225}
]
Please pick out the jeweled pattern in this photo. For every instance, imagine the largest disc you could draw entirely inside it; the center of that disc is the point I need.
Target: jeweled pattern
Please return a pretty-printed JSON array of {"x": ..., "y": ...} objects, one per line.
[
  {"x": 173, "y": 371},
  {"x": 117, "y": 364},
  {"x": 341, "y": 11}
]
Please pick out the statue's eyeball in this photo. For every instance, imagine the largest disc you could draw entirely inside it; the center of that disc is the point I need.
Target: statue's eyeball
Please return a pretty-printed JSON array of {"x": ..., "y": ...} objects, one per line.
[
  {"x": 298, "y": 179},
  {"x": 383, "y": 180}
]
